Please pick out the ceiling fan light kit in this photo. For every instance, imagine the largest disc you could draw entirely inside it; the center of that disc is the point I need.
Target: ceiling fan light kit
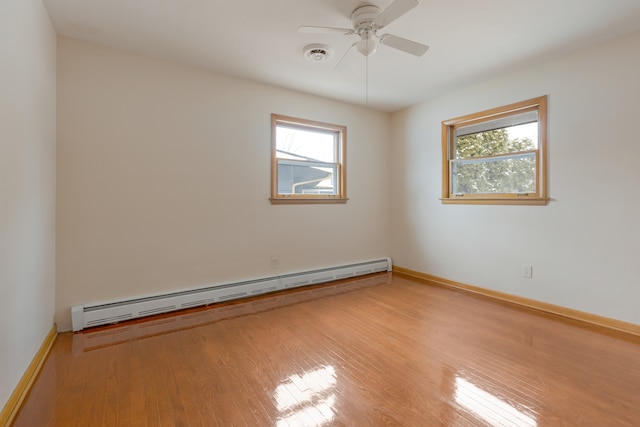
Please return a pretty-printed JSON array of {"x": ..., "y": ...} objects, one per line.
[{"x": 367, "y": 46}]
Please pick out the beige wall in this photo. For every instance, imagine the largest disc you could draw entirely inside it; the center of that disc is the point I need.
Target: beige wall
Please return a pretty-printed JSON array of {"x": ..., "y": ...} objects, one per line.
[
  {"x": 27, "y": 185},
  {"x": 164, "y": 179},
  {"x": 584, "y": 245}
]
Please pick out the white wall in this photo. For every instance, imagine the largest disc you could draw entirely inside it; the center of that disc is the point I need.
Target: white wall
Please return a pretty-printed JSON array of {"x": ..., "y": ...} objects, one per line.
[
  {"x": 164, "y": 180},
  {"x": 584, "y": 246},
  {"x": 27, "y": 185}
]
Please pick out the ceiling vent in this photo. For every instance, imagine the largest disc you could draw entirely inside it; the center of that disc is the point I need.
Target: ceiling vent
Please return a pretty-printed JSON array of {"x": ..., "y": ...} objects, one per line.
[{"x": 317, "y": 53}]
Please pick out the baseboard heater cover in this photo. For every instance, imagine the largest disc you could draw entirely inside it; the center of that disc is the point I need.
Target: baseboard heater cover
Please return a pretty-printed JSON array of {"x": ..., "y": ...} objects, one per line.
[{"x": 89, "y": 315}]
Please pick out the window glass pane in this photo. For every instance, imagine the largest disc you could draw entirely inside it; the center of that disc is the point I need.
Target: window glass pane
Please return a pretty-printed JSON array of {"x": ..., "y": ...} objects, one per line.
[
  {"x": 292, "y": 143},
  {"x": 504, "y": 174},
  {"x": 510, "y": 139},
  {"x": 295, "y": 177}
]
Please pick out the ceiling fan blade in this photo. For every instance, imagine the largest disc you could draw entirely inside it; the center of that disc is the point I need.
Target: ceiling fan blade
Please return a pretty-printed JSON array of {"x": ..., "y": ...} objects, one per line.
[
  {"x": 394, "y": 11},
  {"x": 326, "y": 30},
  {"x": 414, "y": 48},
  {"x": 341, "y": 64}
]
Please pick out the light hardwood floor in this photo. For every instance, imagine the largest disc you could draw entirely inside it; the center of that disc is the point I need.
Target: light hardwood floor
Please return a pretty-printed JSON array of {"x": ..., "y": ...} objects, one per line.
[{"x": 378, "y": 351}]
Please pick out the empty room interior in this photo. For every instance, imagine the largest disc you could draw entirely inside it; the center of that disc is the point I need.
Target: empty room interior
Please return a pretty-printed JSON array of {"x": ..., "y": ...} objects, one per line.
[{"x": 319, "y": 212}]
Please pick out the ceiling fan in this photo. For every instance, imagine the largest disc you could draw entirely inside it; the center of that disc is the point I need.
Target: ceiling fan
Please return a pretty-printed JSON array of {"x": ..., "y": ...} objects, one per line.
[{"x": 367, "y": 20}]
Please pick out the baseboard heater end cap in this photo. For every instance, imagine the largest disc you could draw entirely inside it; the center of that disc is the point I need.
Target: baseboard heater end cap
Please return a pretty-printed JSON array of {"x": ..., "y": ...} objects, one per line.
[{"x": 77, "y": 317}]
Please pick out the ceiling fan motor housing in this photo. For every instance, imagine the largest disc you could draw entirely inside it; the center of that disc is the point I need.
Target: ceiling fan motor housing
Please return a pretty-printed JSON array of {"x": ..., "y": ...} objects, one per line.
[{"x": 363, "y": 18}]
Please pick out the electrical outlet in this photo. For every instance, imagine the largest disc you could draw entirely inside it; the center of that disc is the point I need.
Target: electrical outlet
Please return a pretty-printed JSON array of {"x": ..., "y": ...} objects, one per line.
[
  {"x": 275, "y": 262},
  {"x": 527, "y": 271}
]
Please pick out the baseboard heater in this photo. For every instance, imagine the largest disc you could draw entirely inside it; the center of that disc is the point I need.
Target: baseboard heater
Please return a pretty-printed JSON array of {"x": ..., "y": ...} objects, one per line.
[{"x": 89, "y": 315}]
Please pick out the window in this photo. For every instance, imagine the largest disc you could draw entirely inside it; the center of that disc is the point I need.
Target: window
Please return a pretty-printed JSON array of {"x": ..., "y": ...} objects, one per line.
[
  {"x": 307, "y": 161},
  {"x": 497, "y": 156}
]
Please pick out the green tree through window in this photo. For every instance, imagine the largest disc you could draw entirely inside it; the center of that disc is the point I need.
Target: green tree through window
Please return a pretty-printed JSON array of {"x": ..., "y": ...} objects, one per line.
[{"x": 505, "y": 174}]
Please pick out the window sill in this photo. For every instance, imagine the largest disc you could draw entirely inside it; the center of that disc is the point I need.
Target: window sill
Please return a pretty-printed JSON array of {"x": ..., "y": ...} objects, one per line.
[
  {"x": 529, "y": 201},
  {"x": 307, "y": 200}
]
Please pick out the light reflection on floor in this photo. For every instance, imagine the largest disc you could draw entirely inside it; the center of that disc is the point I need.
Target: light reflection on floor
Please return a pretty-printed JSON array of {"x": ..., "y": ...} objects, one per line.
[
  {"x": 489, "y": 408},
  {"x": 308, "y": 399}
]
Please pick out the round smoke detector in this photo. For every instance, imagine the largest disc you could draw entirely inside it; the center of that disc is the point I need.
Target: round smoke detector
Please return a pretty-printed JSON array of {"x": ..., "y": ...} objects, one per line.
[{"x": 317, "y": 52}]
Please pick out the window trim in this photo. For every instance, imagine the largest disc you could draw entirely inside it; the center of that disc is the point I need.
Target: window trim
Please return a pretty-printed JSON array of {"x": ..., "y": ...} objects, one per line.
[
  {"x": 448, "y": 149},
  {"x": 341, "y": 186}
]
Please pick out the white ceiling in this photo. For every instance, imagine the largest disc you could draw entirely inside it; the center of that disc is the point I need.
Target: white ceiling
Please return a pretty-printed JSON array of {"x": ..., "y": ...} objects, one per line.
[{"x": 258, "y": 39}]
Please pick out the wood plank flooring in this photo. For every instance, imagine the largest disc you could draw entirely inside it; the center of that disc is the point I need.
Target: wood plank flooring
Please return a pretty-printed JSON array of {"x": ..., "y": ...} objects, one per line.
[{"x": 378, "y": 351}]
